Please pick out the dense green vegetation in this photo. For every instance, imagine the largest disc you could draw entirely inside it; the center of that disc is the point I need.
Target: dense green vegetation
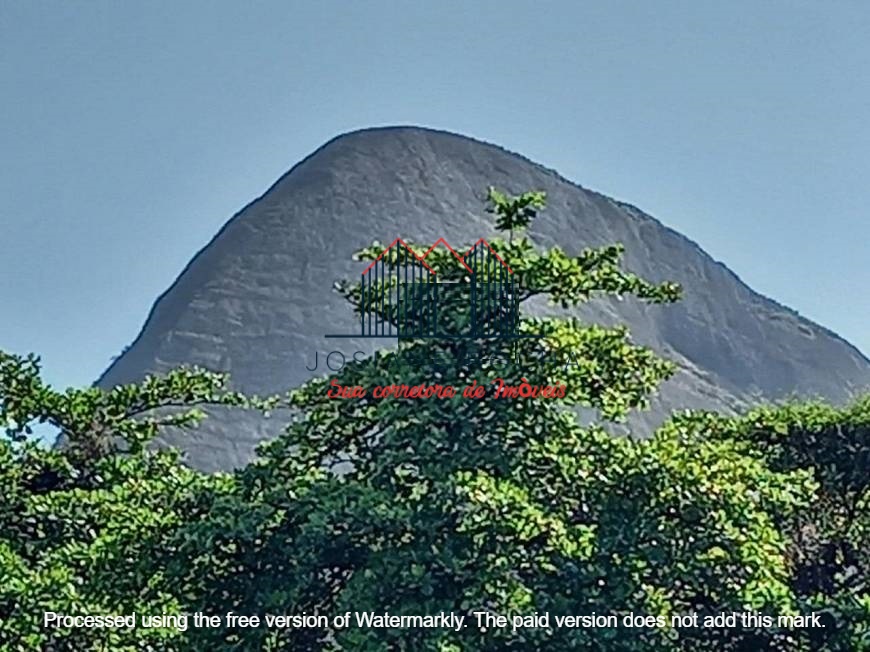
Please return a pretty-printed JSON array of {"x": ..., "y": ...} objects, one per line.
[{"x": 449, "y": 504}]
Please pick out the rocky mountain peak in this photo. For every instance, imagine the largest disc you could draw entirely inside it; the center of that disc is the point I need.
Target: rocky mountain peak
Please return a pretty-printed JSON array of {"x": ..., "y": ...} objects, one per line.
[{"x": 258, "y": 299}]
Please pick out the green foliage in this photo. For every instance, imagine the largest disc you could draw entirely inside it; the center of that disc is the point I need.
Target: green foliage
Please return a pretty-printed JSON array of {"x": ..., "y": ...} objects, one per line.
[
  {"x": 511, "y": 506},
  {"x": 828, "y": 552},
  {"x": 417, "y": 506},
  {"x": 514, "y": 213},
  {"x": 82, "y": 525}
]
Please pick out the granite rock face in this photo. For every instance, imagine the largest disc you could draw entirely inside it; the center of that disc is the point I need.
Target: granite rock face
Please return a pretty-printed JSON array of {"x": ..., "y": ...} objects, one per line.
[{"x": 258, "y": 299}]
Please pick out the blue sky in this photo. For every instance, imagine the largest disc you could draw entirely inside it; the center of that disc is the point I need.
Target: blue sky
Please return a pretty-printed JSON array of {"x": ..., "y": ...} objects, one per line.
[{"x": 131, "y": 131}]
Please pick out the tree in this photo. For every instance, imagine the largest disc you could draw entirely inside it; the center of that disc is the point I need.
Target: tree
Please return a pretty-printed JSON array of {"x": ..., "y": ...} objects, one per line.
[
  {"x": 504, "y": 505},
  {"x": 83, "y": 525},
  {"x": 828, "y": 531}
]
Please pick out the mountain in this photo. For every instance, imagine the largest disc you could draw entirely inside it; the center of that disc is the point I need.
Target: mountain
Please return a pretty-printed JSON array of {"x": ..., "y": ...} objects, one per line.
[{"x": 258, "y": 299}]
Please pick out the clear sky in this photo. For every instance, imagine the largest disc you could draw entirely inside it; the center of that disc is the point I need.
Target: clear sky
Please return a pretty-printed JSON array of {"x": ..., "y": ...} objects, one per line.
[{"x": 131, "y": 131}]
